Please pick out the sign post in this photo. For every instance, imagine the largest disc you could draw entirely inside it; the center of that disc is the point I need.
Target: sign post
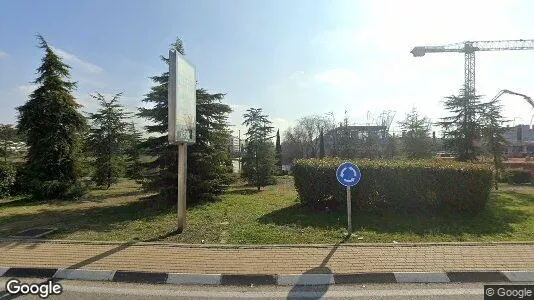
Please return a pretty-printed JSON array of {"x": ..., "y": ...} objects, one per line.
[
  {"x": 182, "y": 185},
  {"x": 182, "y": 121},
  {"x": 348, "y": 174},
  {"x": 349, "y": 212}
]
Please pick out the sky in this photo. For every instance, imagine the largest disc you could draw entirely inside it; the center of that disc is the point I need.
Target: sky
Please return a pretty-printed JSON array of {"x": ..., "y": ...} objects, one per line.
[{"x": 291, "y": 58}]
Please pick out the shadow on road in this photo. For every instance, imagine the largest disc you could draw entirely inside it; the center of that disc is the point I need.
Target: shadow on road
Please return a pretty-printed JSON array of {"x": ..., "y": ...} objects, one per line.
[
  {"x": 4, "y": 295},
  {"x": 303, "y": 289}
]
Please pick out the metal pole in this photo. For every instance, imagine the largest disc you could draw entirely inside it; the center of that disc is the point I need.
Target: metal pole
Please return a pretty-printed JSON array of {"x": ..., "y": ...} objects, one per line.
[
  {"x": 182, "y": 177},
  {"x": 349, "y": 210}
]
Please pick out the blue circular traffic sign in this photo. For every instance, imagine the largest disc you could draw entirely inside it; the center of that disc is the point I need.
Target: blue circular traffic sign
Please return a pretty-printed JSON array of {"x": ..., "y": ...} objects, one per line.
[{"x": 348, "y": 174}]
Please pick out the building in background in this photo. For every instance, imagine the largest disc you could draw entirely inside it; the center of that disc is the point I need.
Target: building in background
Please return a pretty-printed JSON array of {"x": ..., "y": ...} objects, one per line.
[{"x": 521, "y": 141}]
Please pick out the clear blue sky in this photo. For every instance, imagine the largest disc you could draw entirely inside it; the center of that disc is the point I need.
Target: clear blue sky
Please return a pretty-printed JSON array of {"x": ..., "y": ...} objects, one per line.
[{"x": 292, "y": 58}]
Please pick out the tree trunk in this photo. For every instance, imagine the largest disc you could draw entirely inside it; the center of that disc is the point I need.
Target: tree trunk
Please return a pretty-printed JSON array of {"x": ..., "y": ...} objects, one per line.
[{"x": 497, "y": 174}]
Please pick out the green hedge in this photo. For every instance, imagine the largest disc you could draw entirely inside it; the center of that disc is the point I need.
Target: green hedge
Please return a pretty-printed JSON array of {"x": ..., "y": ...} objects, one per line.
[
  {"x": 397, "y": 185},
  {"x": 516, "y": 176}
]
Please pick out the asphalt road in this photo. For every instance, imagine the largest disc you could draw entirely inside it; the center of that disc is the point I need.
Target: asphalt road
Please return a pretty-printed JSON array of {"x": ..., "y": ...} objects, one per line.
[{"x": 112, "y": 290}]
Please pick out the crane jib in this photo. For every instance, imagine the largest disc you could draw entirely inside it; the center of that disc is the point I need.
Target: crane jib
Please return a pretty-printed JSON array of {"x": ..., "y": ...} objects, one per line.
[{"x": 469, "y": 48}]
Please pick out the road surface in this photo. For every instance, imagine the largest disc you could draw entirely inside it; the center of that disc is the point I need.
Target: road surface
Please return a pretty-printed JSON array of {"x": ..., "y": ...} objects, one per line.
[{"x": 113, "y": 290}]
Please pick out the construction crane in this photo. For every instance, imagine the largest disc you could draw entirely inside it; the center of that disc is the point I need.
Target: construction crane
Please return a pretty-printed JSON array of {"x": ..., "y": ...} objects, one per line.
[
  {"x": 529, "y": 100},
  {"x": 469, "y": 48}
]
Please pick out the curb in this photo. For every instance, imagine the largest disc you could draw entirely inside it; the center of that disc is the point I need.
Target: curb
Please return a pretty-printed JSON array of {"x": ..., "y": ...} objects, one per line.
[
  {"x": 267, "y": 279},
  {"x": 260, "y": 246}
]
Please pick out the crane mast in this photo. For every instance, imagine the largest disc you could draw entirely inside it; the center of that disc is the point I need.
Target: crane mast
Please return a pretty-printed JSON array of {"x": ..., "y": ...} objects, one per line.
[{"x": 469, "y": 48}]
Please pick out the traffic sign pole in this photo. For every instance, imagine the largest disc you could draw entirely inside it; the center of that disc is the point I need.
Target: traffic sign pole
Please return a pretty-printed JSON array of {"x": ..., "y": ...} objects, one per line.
[
  {"x": 349, "y": 212},
  {"x": 348, "y": 174}
]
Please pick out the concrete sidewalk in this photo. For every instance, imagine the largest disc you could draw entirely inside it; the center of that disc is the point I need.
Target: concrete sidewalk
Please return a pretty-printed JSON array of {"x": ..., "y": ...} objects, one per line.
[{"x": 297, "y": 259}]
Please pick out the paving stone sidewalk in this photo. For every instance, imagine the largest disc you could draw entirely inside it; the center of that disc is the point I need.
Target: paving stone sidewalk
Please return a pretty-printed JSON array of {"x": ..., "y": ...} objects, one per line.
[{"x": 207, "y": 259}]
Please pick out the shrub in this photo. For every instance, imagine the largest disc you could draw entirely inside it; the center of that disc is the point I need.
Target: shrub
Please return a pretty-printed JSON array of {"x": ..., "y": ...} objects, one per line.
[
  {"x": 55, "y": 189},
  {"x": 7, "y": 178},
  {"x": 518, "y": 176},
  {"x": 397, "y": 185},
  {"x": 20, "y": 187}
]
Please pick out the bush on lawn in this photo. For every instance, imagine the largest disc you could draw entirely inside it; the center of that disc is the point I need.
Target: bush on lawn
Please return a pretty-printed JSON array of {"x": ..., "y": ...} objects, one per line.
[
  {"x": 517, "y": 176},
  {"x": 7, "y": 178},
  {"x": 397, "y": 185},
  {"x": 55, "y": 189},
  {"x": 20, "y": 187}
]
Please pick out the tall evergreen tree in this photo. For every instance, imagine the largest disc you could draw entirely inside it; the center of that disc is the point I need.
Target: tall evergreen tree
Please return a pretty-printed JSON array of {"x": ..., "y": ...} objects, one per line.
[
  {"x": 321, "y": 144},
  {"x": 416, "y": 140},
  {"x": 258, "y": 162},
  {"x": 278, "y": 153},
  {"x": 493, "y": 132},
  {"x": 133, "y": 153},
  {"x": 53, "y": 128},
  {"x": 108, "y": 139},
  {"x": 208, "y": 160},
  {"x": 391, "y": 150},
  {"x": 462, "y": 130}
]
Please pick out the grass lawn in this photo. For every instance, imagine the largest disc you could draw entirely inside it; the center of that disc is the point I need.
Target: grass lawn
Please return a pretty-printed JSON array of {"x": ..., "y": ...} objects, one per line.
[{"x": 271, "y": 216}]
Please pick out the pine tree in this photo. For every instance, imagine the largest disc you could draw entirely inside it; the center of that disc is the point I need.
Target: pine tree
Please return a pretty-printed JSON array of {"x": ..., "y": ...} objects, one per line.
[
  {"x": 107, "y": 140},
  {"x": 53, "y": 128},
  {"x": 258, "y": 162},
  {"x": 321, "y": 144},
  {"x": 462, "y": 130},
  {"x": 278, "y": 152},
  {"x": 391, "y": 150},
  {"x": 416, "y": 139},
  {"x": 493, "y": 131},
  {"x": 133, "y": 153},
  {"x": 208, "y": 161}
]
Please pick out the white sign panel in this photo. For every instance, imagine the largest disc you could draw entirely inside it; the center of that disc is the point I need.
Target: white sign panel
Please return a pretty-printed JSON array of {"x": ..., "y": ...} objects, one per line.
[{"x": 182, "y": 100}]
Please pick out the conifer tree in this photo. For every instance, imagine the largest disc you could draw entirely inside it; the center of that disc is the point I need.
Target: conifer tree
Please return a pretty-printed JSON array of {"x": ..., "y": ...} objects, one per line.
[
  {"x": 133, "y": 153},
  {"x": 416, "y": 139},
  {"x": 321, "y": 144},
  {"x": 493, "y": 133},
  {"x": 259, "y": 161},
  {"x": 208, "y": 160},
  {"x": 463, "y": 129},
  {"x": 53, "y": 128},
  {"x": 278, "y": 153},
  {"x": 108, "y": 139}
]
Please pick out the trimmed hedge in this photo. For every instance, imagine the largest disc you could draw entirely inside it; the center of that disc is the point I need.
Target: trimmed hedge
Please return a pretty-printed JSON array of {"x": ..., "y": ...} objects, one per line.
[
  {"x": 427, "y": 185},
  {"x": 517, "y": 176}
]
